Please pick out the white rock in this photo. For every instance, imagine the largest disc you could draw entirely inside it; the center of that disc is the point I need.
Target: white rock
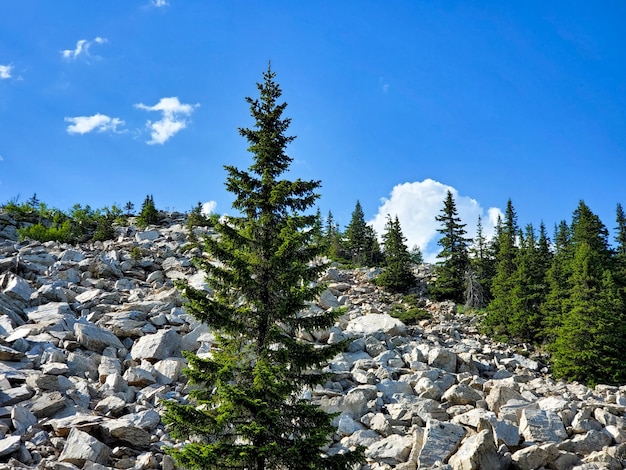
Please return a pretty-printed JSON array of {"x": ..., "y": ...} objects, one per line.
[
  {"x": 368, "y": 325},
  {"x": 81, "y": 447}
]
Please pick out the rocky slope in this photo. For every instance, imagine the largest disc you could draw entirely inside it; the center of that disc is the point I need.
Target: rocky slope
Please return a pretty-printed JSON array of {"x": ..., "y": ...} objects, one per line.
[{"x": 90, "y": 341}]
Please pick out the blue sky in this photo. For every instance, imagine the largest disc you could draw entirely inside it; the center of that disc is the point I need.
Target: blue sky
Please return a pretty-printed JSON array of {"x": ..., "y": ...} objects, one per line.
[{"x": 393, "y": 103}]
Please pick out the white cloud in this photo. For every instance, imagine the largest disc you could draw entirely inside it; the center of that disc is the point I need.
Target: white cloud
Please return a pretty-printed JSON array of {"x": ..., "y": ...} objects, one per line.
[
  {"x": 82, "y": 48},
  {"x": 1, "y": 159},
  {"x": 160, "y": 3},
  {"x": 417, "y": 204},
  {"x": 208, "y": 207},
  {"x": 5, "y": 71},
  {"x": 97, "y": 122},
  {"x": 175, "y": 118}
]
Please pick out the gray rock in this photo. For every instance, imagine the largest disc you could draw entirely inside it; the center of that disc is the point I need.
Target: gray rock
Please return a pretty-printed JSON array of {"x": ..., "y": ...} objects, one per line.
[
  {"x": 15, "y": 395},
  {"x": 161, "y": 345},
  {"x": 22, "y": 419},
  {"x": 47, "y": 404},
  {"x": 169, "y": 370},
  {"x": 15, "y": 287},
  {"x": 9, "y": 444},
  {"x": 478, "y": 452},
  {"x": 126, "y": 432},
  {"x": 583, "y": 444},
  {"x": 541, "y": 426},
  {"x": 391, "y": 450},
  {"x": 535, "y": 456},
  {"x": 461, "y": 394},
  {"x": 94, "y": 338},
  {"x": 81, "y": 447},
  {"x": 441, "y": 440},
  {"x": 368, "y": 325},
  {"x": 442, "y": 358}
]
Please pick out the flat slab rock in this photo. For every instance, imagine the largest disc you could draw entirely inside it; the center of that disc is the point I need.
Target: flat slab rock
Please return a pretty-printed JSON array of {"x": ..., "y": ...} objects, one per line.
[{"x": 374, "y": 322}]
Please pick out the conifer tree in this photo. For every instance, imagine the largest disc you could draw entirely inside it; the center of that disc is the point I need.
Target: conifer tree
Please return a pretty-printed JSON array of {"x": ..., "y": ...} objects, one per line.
[
  {"x": 591, "y": 334},
  {"x": 334, "y": 246},
  {"x": 397, "y": 275},
  {"x": 247, "y": 410},
  {"x": 500, "y": 309},
  {"x": 482, "y": 266},
  {"x": 148, "y": 214},
  {"x": 360, "y": 240},
  {"x": 454, "y": 256},
  {"x": 620, "y": 250}
]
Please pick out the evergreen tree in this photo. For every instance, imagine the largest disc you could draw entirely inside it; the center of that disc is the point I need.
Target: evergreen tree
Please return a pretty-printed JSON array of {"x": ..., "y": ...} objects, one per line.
[
  {"x": 148, "y": 215},
  {"x": 397, "y": 275},
  {"x": 620, "y": 251},
  {"x": 452, "y": 268},
  {"x": 529, "y": 291},
  {"x": 333, "y": 241},
  {"x": 361, "y": 242},
  {"x": 591, "y": 334},
  {"x": 482, "y": 264},
  {"x": 500, "y": 309},
  {"x": 247, "y": 409},
  {"x": 416, "y": 255}
]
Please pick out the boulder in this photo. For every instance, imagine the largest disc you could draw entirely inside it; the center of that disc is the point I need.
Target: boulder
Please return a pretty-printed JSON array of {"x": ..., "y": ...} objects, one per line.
[
  {"x": 368, "y": 325},
  {"x": 477, "y": 452},
  {"x": 81, "y": 447},
  {"x": 156, "y": 347},
  {"x": 538, "y": 425},
  {"x": 441, "y": 440}
]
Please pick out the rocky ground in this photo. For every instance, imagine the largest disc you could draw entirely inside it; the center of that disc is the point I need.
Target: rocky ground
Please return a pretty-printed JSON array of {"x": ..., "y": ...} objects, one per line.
[{"x": 90, "y": 341}]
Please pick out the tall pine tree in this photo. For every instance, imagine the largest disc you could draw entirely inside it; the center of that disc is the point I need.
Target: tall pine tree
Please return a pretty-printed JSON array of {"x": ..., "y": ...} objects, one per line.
[
  {"x": 397, "y": 275},
  {"x": 360, "y": 240},
  {"x": 454, "y": 255},
  {"x": 246, "y": 408}
]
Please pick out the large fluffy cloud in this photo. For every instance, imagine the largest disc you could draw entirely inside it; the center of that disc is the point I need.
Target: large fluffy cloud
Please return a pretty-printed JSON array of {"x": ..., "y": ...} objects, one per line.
[
  {"x": 5, "y": 71},
  {"x": 97, "y": 122},
  {"x": 81, "y": 49},
  {"x": 175, "y": 116},
  {"x": 417, "y": 204},
  {"x": 209, "y": 207}
]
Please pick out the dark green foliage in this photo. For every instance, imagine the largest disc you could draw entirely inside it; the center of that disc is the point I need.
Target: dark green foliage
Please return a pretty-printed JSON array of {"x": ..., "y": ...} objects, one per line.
[
  {"x": 361, "y": 244},
  {"x": 410, "y": 310},
  {"x": 246, "y": 408},
  {"x": 149, "y": 214},
  {"x": 129, "y": 207},
  {"x": 482, "y": 270},
  {"x": 591, "y": 334},
  {"x": 196, "y": 218},
  {"x": 397, "y": 275},
  {"x": 500, "y": 309},
  {"x": 416, "y": 255},
  {"x": 454, "y": 255}
]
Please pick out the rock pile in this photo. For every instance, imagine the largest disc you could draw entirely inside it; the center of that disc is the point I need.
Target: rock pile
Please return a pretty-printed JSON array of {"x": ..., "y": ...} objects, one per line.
[{"x": 90, "y": 346}]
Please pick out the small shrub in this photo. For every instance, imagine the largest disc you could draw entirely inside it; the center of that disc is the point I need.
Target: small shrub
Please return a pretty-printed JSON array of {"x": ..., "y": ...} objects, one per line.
[
  {"x": 409, "y": 315},
  {"x": 136, "y": 254}
]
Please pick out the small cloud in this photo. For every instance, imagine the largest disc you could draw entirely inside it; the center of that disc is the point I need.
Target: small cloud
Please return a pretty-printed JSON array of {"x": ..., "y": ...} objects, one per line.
[
  {"x": 384, "y": 86},
  {"x": 5, "y": 71},
  {"x": 82, "y": 48},
  {"x": 160, "y": 3},
  {"x": 97, "y": 122},
  {"x": 1, "y": 159},
  {"x": 417, "y": 204},
  {"x": 208, "y": 207},
  {"x": 174, "y": 119}
]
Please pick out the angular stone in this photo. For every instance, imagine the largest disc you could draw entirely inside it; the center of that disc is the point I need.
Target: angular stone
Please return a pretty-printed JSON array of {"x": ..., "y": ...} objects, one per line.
[
  {"x": 391, "y": 450},
  {"x": 112, "y": 404},
  {"x": 22, "y": 419},
  {"x": 94, "y": 338},
  {"x": 541, "y": 426},
  {"x": 10, "y": 354},
  {"x": 9, "y": 444},
  {"x": 478, "y": 452},
  {"x": 161, "y": 345},
  {"x": 536, "y": 456},
  {"x": 583, "y": 444},
  {"x": 442, "y": 358},
  {"x": 499, "y": 395},
  {"x": 147, "y": 419},
  {"x": 47, "y": 404},
  {"x": 15, "y": 395},
  {"x": 441, "y": 440},
  {"x": 368, "y": 325},
  {"x": 461, "y": 394},
  {"x": 126, "y": 432},
  {"x": 81, "y": 447},
  {"x": 137, "y": 376},
  {"x": 169, "y": 370},
  {"x": 15, "y": 287}
]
